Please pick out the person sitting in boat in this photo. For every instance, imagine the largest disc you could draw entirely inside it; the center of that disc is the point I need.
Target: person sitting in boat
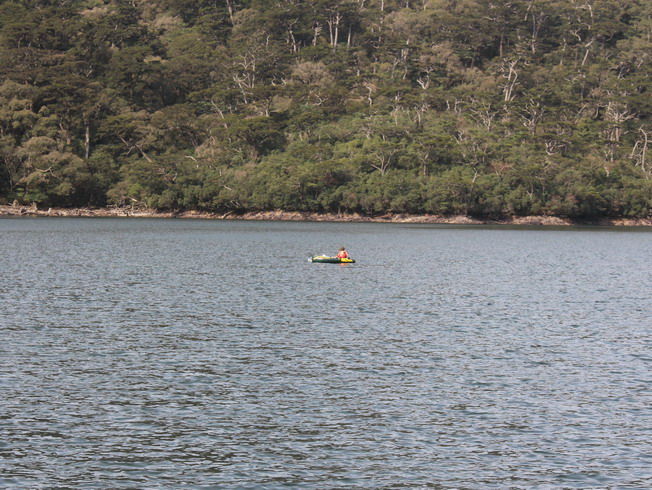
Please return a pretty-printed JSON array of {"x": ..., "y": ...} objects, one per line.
[{"x": 342, "y": 254}]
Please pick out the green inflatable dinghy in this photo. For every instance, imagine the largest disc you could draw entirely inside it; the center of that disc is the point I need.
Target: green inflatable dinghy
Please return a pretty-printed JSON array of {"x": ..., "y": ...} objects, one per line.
[{"x": 331, "y": 260}]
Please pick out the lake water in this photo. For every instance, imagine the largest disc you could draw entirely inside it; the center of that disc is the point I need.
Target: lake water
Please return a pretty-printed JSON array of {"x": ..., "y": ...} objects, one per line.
[{"x": 212, "y": 354}]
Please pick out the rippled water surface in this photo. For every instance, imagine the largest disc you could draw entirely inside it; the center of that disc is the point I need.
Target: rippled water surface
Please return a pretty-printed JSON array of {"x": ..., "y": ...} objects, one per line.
[{"x": 169, "y": 353}]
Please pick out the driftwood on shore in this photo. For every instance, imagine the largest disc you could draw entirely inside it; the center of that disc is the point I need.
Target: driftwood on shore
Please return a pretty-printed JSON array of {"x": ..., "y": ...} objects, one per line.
[{"x": 129, "y": 212}]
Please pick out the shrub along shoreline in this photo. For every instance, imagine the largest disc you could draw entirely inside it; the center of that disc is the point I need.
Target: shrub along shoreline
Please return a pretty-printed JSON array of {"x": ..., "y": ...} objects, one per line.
[{"x": 130, "y": 212}]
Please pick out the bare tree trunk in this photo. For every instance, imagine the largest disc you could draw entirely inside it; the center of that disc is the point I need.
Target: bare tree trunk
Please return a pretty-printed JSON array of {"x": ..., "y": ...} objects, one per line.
[
  {"x": 334, "y": 27},
  {"x": 87, "y": 141},
  {"x": 639, "y": 152},
  {"x": 229, "y": 6},
  {"x": 316, "y": 31},
  {"x": 512, "y": 76}
]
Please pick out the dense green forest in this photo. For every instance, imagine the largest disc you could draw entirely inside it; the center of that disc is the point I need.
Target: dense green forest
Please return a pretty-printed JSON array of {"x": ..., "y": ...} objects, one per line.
[{"x": 477, "y": 107}]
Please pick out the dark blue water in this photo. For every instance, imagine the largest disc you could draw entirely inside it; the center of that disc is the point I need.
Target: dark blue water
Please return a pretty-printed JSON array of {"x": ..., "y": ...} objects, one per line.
[{"x": 171, "y": 353}]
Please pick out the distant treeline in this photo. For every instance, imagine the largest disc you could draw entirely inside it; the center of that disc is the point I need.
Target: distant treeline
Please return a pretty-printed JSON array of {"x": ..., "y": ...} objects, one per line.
[{"x": 477, "y": 107}]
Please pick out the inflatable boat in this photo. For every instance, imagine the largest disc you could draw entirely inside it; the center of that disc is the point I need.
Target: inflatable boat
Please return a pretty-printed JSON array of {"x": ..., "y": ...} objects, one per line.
[{"x": 331, "y": 260}]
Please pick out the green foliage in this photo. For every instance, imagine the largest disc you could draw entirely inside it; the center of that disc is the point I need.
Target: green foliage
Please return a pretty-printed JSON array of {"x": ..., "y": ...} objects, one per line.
[{"x": 450, "y": 107}]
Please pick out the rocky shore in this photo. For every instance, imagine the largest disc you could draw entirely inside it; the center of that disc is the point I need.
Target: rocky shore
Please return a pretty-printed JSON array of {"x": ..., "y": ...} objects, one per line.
[{"x": 128, "y": 212}]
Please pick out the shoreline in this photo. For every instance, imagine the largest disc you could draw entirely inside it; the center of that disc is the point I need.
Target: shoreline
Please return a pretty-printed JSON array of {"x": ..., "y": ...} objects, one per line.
[{"x": 115, "y": 212}]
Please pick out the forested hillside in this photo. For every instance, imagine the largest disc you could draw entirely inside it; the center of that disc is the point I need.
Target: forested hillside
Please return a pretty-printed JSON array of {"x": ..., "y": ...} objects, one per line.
[{"x": 478, "y": 107}]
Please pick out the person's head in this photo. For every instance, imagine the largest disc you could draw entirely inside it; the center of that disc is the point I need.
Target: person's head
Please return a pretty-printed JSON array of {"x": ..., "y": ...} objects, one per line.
[{"x": 342, "y": 249}]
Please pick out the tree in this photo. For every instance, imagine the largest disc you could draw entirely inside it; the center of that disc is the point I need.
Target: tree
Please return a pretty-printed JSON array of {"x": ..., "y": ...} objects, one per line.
[{"x": 451, "y": 106}]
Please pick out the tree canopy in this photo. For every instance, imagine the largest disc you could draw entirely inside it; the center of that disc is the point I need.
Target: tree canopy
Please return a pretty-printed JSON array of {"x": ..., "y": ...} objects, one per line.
[{"x": 477, "y": 107}]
